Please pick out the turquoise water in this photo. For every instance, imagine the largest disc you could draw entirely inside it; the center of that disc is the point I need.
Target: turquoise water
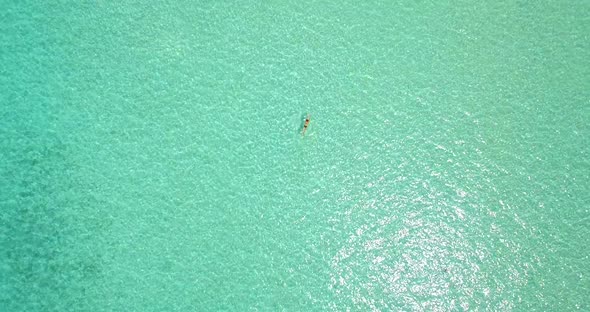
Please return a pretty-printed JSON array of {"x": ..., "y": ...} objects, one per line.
[{"x": 151, "y": 156}]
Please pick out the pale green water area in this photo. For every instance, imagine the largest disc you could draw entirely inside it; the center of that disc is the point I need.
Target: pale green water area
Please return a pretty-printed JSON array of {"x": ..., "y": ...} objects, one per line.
[{"x": 151, "y": 156}]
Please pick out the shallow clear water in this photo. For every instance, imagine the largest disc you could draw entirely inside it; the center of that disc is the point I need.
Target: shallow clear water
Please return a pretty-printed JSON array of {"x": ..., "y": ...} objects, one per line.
[{"x": 151, "y": 157}]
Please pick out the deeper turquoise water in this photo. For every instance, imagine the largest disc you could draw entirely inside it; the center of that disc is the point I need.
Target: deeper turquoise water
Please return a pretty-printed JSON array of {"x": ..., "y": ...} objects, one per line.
[{"x": 151, "y": 156}]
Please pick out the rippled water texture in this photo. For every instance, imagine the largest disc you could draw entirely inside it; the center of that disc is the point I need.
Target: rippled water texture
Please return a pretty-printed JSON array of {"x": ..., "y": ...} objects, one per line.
[{"x": 151, "y": 156}]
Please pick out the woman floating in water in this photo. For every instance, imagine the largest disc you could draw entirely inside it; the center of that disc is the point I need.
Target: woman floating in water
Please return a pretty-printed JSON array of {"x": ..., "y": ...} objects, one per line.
[{"x": 306, "y": 124}]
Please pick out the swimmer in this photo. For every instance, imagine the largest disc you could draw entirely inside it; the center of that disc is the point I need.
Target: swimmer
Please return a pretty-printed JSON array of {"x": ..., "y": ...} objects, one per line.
[{"x": 306, "y": 124}]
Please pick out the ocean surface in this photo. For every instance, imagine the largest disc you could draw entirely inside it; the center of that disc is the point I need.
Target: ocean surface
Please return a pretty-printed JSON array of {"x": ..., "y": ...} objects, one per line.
[{"x": 151, "y": 156}]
